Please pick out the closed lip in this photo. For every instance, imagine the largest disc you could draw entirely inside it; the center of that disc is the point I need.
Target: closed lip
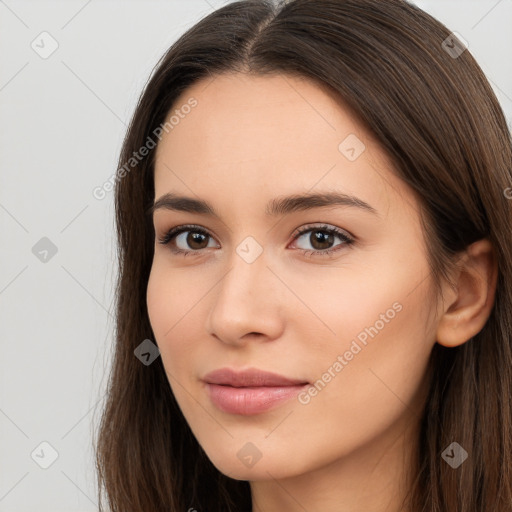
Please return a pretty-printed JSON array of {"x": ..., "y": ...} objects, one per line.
[{"x": 251, "y": 377}]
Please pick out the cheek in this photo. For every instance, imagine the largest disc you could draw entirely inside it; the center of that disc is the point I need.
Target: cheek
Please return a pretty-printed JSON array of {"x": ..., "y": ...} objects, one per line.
[
  {"x": 158, "y": 302},
  {"x": 174, "y": 298},
  {"x": 364, "y": 302},
  {"x": 371, "y": 344},
  {"x": 379, "y": 358},
  {"x": 171, "y": 296},
  {"x": 335, "y": 304},
  {"x": 167, "y": 309}
]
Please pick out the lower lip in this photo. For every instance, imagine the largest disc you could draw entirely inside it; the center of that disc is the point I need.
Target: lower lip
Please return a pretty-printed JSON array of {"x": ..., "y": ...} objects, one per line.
[{"x": 251, "y": 400}]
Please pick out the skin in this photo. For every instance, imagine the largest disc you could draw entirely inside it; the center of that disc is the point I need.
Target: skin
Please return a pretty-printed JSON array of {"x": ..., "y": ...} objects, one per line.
[{"x": 249, "y": 140}]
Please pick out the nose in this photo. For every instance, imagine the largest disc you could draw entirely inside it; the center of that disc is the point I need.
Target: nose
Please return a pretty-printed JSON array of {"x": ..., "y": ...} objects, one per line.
[{"x": 247, "y": 303}]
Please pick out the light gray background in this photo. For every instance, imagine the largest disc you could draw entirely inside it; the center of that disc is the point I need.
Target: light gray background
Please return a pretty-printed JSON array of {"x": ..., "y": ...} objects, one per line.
[{"x": 62, "y": 122}]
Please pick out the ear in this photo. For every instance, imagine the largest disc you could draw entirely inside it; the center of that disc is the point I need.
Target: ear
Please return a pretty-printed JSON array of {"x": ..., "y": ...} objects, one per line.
[{"x": 471, "y": 301}]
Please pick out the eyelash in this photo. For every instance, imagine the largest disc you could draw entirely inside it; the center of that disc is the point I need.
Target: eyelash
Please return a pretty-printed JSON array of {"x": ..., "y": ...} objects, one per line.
[{"x": 174, "y": 232}]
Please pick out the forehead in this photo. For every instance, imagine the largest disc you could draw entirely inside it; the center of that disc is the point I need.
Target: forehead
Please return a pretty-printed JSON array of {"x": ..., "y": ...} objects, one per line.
[
  {"x": 249, "y": 136},
  {"x": 247, "y": 114}
]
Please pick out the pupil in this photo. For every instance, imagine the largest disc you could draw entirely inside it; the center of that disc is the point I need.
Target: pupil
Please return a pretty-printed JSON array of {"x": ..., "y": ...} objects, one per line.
[
  {"x": 323, "y": 238},
  {"x": 195, "y": 238}
]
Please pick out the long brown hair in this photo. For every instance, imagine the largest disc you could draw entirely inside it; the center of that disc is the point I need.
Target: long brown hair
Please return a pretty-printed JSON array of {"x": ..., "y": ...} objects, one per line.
[{"x": 436, "y": 116}]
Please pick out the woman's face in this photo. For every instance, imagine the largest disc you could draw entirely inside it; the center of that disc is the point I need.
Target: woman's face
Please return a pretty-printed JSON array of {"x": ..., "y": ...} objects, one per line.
[{"x": 349, "y": 325}]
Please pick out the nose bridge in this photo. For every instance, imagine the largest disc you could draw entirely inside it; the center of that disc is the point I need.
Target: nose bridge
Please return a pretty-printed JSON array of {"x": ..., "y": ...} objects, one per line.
[
  {"x": 244, "y": 302},
  {"x": 247, "y": 278}
]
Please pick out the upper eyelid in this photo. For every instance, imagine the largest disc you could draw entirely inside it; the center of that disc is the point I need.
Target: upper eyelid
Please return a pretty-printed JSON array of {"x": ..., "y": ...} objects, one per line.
[{"x": 323, "y": 227}]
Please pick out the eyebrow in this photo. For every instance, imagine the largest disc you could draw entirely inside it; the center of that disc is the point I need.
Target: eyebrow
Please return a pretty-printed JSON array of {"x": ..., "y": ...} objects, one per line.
[{"x": 275, "y": 207}]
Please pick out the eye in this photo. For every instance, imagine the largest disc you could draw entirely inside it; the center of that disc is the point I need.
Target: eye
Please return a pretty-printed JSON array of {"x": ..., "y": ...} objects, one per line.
[
  {"x": 196, "y": 237},
  {"x": 322, "y": 238}
]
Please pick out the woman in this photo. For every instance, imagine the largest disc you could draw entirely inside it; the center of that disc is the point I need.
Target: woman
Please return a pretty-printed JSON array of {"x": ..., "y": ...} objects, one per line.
[{"x": 319, "y": 246}]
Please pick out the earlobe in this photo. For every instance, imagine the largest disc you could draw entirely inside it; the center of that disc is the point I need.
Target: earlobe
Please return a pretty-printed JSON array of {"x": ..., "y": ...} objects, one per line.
[{"x": 473, "y": 298}]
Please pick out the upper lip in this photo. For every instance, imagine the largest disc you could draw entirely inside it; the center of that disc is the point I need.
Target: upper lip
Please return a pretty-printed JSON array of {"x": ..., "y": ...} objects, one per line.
[{"x": 251, "y": 377}]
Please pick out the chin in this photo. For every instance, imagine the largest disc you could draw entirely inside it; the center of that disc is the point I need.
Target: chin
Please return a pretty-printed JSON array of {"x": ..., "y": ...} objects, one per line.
[{"x": 265, "y": 468}]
